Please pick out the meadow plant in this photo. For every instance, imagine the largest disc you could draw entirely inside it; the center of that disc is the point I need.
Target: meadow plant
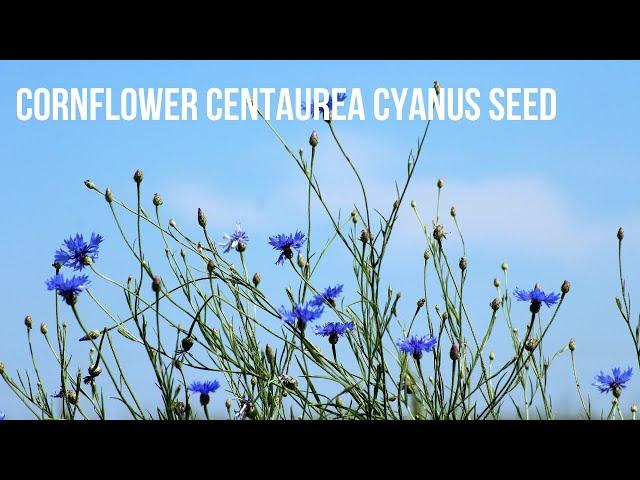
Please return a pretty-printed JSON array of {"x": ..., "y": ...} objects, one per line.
[{"x": 210, "y": 321}]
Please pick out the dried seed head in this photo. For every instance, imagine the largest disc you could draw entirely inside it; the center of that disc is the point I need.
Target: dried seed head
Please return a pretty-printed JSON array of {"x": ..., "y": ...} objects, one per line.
[
  {"x": 138, "y": 176},
  {"x": 313, "y": 139},
  {"x": 463, "y": 264},
  {"x": 28, "y": 321},
  {"x": 496, "y": 282},
  {"x": 44, "y": 329},
  {"x": 531, "y": 344},
  {"x": 108, "y": 196},
  {"x": 453, "y": 211},
  {"x": 440, "y": 183},
  {"x": 454, "y": 353},
  {"x": 256, "y": 279},
  {"x": 202, "y": 220},
  {"x": 566, "y": 286},
  {"x": 156, "y": 284},
  {"x": 620, "y": 234},
  {"x": 504, "y": 266},
  {"x": 438, "y": 233},
  {"x": 572, "y": 345},
  {"x": 89, "y": 184},
  {"x": 187, "y": 343},
  {"x": 157, "y": 199},
  {"x": 495, "y": 304}
]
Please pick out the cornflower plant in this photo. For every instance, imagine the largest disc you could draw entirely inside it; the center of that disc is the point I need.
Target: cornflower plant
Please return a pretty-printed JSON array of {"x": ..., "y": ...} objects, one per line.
[{"x": 207, "y": 326}]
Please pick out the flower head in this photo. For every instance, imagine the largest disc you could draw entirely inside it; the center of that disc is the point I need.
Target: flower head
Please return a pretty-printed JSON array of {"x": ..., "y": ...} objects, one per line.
[
  {"x": 537, "y": 297},
  {"x": 613, "y": 383},
  {"x": 334, "y": 330},
  {"x": 341, "y": 97},
  {"x": 70, "y": 288},
  {"x": 77, "y": 250},
  {"x": 237, "y": 240},
  {"x": 287, "y": 244},
  {"x": 416, "y": 346},
  {"x": 301, "y": 314},
  {"x": 204, "y": 389},
  {"x": 329, "y": 295}
]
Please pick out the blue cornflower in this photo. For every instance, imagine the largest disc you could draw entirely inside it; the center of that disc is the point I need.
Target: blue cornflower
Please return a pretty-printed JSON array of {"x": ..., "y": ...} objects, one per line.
[
  {"x": 237, "y": 240},
  {"x": 70, "y": 288},
  {"x": 537, "y": 297},
  {"x": 301, "y": 314},
  {"x": 329, "y": 295},
  {"x": 615, "y": 383},
  {"x": 286, "y": 244},
  {"x": 77, "y": 250},
  {"x": 334, "y": 330},
  {"x": 417, "y": 345},
  {"x": 204, "y": 389},
  {"x": 341, "y": 97},
  {"x": 2, "y": 415}
]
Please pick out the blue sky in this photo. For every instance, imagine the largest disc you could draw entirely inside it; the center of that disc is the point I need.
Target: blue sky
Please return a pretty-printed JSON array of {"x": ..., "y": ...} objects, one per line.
[{"x": 547, "y": 197}]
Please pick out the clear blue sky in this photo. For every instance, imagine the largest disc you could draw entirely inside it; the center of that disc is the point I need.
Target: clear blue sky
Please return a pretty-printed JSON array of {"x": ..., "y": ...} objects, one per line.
[{"x": 547, "y": 197}]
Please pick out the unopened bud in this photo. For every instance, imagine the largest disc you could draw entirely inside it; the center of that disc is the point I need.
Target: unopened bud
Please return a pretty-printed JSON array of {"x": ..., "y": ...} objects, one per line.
[
  {"x": 454, "y": 353},
  {"x": 313, "y": 139},
  {"x": 211, "y": 266},
  {"x": 354, "y": 216},
  {"x": 634, "y": 408},
  {"x": 172, "y": 223},
  {"x": 463, "y": 264},
  {"x": 421, "y": 302},
  {"x": 138, "y": 176},
  {"x": 256, "y": 279},
  {"x": 187, "y": 343},
  {"x": 566, "y": 286},
  {"x": 426, "y": 255},
  {"x": 496, "y": 282},
  {"x": 28, "y": 321},
  {"x": 202, "y": 220},
  {"x": 445, "y": 316},
  {"x": 302, "y": 262},
  {"x": 365, "y": 236},
  {"x": 156, "y": 284},
  {"x": 270, "y": 355},
  {"x": 157, "y": 200},
  {"x": 89, "y": 184},
  {"x": 440, "y": 183},
  {"x": 228, "y": 403},
  {"x": 620, "y": 234},
  {"x": 504, "y": 266},
  {"x": 87, "y": 260},
  {"x": 436, "y": 86},
  {"x": 413, "y": 204},
  {"x": 531, "y": 344},
  {"x": 91, "y": 335},
  {"x": 492, "y": 356},
  {"x": 108, "y": 196},
  {"x": 43, "y": 328},
  {"x": 453, "y": 211},
  {"x": 495, "y": 304},
  {"x": 572, "y": 345}
]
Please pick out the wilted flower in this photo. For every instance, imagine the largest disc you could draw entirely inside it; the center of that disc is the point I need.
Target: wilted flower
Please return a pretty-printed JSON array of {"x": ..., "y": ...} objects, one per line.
[
  {"x": 204, "y": 389},
  {"x": 613, "y": 383},
  {"x": 334, "y": 330},
  {"x": 536, "y": 297},
  {"x": 77, "y": 249},
  {"x": 416, "y": 346},
  {"x": 237, "y": 240},
  {"x": 329, "y": 295},
  {"x": 287, "y": 244},
  {"x": 70, "y": 288}
]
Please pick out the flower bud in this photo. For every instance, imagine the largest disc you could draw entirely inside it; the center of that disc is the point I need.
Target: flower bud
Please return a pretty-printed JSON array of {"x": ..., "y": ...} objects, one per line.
[
  {"x": 28, "y": 321},
  {"x": 496, "y": 282},
  {"x": 413, "y": 204},
  {"x": 436, "y": 86},
  {"x": 72, "y": 397},
  {"x": 463, "y": 264},
  {"x": 270, "y": 355},
  {"x": 138, "y": 176},
  {"x": 157, "y": 200},
  {"x": 566, "y": 286},
  {"x": 156, "y": 284},
  {"x": 365, "y": 236},
  {"x": 1, "y": 368},
  {"x": 108, "y": 196},
  {"x": 210, "y": 266},
  {"x": 620, "y": 234},
  {"x": 43, "y": 328},
  {"x": 172, "y": 223},
  {"x": 396, "y": 204},
  {"x": 89, "y": 184},
  {"x": 492, "y": 356},
  {"x": 91, "y": 335},
  {"x": 634, "y": 408},
  {"x": 531, "y": 344},
  {"x": 454, "y": 353},
  {"x": 354, "y": 216},
  {"x": 177, "y": 363},
  {"x": 504, "y": 266},
  {"x": 87, "y": 260},
  {"x": 313, "y": 139},
  {"x": 440, "y": 183},
  {"x": 228, "y": 403},
  {"x": 256, "y": 279},
  {"x": 183, "y": 253},
  {"x": 302, "y": 262},
  {"x": 453, "y": 211},
  {"x": 202, "y": 220},
  {"x": 187, "y": 343},
  {"x": 426, "y": 255},
  {"x": 495, "y": 304},
  {"x": 254, "y": 381},
  {"x": 421, "y": 302},
  {"x": 445, "y": 316},
  {"x": 572, "y": 345}
]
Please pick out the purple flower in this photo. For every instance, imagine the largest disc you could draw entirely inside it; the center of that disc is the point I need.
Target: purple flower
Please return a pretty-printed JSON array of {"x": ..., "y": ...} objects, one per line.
[
  {"x": 77, "y": 250},
  {"x": 329, "y": 295},
  {"x": 537, "y": 297},
  {"x": 334, "y": 330},
  {"x": 613, "y": 383},
  {"x": 417, "y": 345},
  {"x": 341, "y": 97},
  {"x": 287, "y": 244},
  {"x": 301, "y": 314},
  {"x": 70, "y": 288},
  {"x": 204, "y": 389},
  {"x": 237, "y": 240}
]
